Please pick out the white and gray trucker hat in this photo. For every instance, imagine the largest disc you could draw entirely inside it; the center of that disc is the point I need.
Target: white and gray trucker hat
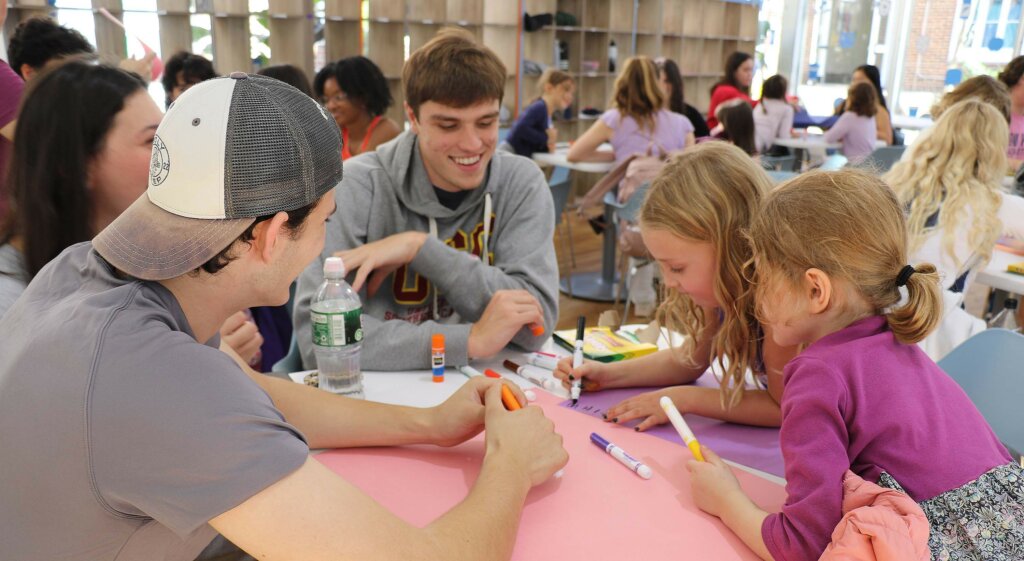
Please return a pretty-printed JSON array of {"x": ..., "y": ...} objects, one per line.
[{"x": 228, "y": 151}]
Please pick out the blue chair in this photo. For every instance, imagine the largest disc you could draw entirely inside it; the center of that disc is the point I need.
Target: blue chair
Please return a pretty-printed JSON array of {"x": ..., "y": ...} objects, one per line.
[
  {"x": 561, "y": 187},
  {"x": 988, "y": 368},
  {"x": 628, "y": 211},
  {"x": 882, "y": 159}
]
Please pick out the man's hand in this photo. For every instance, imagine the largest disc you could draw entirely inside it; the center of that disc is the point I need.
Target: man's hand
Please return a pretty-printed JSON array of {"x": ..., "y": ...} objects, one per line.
[
  {"x": 507, "y": 313},
  {"x": 461, "y": 416},
  {"x": 381, "y": 258},
  {"x": 525, "y": 439}
]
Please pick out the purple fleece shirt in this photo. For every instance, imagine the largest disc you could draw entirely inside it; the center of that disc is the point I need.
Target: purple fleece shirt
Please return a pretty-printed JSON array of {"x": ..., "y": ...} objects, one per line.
[{"x": 859, "y": 399}]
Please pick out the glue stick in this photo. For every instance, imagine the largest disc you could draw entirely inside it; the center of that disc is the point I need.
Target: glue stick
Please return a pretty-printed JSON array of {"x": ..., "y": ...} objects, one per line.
[{"x": 437, "y": 357}]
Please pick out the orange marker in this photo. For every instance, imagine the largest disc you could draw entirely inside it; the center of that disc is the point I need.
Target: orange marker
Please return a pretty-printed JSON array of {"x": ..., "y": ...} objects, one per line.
[
  {"x": 437, "y": 357},
  {"x": 491, "y": 374},
  {"x": 536, "y": 328},
  {"x": 509, "y": 399}
]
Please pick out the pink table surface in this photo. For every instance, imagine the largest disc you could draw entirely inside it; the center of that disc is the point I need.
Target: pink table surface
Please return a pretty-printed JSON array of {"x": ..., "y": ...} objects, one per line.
[{"x": 597, "y": 510}]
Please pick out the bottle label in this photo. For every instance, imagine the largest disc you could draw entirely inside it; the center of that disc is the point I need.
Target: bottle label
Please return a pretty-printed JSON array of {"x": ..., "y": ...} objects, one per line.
[{"x": 337, "y": 329}]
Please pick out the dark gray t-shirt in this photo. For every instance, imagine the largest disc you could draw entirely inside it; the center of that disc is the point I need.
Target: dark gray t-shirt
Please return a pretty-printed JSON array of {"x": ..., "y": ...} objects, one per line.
[{"x": 120, "y": 435}]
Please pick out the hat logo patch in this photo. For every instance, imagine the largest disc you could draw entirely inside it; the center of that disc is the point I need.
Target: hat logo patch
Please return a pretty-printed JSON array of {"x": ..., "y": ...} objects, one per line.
[{"x": 160, "y": 164}]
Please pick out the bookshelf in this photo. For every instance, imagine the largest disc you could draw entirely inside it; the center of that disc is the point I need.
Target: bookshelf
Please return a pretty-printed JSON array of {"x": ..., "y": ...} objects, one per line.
[{"x": 697, "y": 34}]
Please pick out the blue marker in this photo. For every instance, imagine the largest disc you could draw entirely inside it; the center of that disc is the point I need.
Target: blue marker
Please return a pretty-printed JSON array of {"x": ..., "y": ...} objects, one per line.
[{"x": 621, "y": 455}]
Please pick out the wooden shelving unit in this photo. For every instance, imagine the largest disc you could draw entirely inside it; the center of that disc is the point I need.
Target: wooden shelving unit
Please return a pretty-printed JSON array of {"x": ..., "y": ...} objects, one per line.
[{"x": 697, "y": 34}]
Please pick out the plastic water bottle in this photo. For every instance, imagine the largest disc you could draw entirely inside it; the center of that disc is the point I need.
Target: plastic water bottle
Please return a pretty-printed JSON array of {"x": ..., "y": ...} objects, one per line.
[
  {"x": 1007, "y": 317},
  {"x": 336, "y": 312}
]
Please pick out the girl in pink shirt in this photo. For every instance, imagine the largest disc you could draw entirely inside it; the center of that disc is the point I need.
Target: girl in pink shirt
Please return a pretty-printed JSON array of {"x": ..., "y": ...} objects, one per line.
[{"x": 830, "y": 251}]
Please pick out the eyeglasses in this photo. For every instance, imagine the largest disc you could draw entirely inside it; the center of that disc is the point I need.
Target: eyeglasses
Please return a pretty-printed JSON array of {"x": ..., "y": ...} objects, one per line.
[{"x": 337, "y": 98}]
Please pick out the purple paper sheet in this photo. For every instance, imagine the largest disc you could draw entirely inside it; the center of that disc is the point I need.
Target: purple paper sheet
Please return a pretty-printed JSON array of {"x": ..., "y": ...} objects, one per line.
[{"x": 755, "y": 447}]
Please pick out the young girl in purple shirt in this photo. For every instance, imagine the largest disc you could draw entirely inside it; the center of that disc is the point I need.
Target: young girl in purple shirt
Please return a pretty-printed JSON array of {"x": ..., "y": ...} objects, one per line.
[{"x": 830, "y": 251}]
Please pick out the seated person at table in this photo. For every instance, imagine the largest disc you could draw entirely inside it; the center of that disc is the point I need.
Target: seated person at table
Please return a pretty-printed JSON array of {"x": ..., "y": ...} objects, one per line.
[
  {"x": 951, "y": 185},
  {"x": 356, "y": 93},
  {"x": 291, "y": 75},
  {"x": 82, "y": 156},
  {"x": 671, "y": 81},
  {"x": 445, "y": 234},
  {"x": 736, "y": 125},
  {"x": 855, "y": 128},
  {"x": 692, "y": 222},
  {"x": 984, "y": 88},
  {"x": 1012, "y": 77},
  {"x": 183, "y": 71},
  {"x": 831, "y": 256},
  {"x": 868, "y": 74},
  {"x": 637, "y": 123},
  {"x": 734, "y": 84},
  {"x": 125, "y": 426},
  {"x": 533, "y": 130},
  {"x": 39, "y": 41},
  {"x": 773, "y": 117}
]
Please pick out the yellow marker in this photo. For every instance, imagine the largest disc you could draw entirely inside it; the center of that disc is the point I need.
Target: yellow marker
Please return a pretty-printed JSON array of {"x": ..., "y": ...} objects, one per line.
[{"x": 681, "y": 427}]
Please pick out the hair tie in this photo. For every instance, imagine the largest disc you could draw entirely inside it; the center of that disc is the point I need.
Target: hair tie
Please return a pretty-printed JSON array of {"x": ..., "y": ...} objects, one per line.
[{"x": 904, "y": 276}]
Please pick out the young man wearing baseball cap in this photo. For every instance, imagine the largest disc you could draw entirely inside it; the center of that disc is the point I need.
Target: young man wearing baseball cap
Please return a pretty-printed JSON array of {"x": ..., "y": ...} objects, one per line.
[
  {"x": 127, "y": 435},
  {"x": 448, "y": 235}
]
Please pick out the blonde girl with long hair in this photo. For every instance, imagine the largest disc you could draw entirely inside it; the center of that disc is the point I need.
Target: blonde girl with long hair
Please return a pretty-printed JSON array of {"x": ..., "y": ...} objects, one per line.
[
  {"x": 637, "y": 123},
  {"x": 950, "y": 185},
  {"x": 862, "y": 402},
  {"x": 692, "y": 222}
]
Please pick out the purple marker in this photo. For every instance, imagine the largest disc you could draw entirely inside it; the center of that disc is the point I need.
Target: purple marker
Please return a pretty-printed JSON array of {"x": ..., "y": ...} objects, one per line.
[{"x": 621, "y": 455}]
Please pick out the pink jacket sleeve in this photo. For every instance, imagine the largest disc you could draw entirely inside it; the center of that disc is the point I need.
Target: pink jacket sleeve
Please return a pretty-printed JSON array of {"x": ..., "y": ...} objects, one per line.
[{"x": 878, "y": 524}]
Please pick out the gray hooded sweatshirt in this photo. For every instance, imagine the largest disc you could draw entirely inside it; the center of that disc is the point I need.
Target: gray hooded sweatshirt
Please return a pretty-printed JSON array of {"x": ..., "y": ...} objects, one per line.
[{"x": 447, "y": 286}]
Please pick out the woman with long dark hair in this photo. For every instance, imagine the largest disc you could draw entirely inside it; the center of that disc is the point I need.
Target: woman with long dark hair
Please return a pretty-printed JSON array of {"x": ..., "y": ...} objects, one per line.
[
  {"x": 671, "y": 81},
  {"x": 356, "y": 93},
  {"x": 735, "y": 83},
  {"x": 81, "y": 155}
]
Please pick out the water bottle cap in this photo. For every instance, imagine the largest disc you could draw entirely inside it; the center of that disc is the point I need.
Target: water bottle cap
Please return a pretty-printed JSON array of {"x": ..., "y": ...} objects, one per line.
[{"x": 334, "y": 268}]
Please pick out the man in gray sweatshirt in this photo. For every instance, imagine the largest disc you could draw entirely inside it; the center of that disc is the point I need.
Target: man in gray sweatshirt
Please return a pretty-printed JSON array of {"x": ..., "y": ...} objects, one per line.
[{"x": 444, "y": 234}]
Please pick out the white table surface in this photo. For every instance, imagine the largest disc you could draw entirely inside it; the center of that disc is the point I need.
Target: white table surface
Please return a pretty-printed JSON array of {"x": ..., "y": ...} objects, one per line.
[
  {"x": 417, "y": 388},
  {"x": 911, "y": 123},
  {"x": 558, "y": 158},
  {"x": 807, "y": 142},
  {"x": 995, "y": 274}
]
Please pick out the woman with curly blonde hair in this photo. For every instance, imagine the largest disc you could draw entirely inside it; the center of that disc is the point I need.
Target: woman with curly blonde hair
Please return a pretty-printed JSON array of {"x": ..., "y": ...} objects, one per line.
[
  {"x": 692, "y": 222},
  {"x": 950, "y": 185}
]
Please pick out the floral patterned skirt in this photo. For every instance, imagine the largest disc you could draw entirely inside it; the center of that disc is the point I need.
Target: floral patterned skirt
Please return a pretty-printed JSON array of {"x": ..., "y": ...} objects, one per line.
[{"x": 982, "y": 520}]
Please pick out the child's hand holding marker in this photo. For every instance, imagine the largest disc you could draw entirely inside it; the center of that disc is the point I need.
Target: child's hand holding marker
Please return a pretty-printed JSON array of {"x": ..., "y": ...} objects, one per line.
[
  {"x": 715, "y": 487},
  {"x": 596, "y": 376}
]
